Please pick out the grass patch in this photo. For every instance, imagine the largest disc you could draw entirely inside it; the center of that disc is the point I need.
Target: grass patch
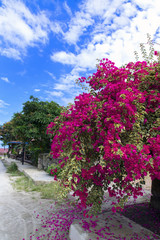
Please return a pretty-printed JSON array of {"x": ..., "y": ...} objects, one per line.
[
  {"x": 24, "y": 184},
  {"x": 12, "y": 169},
  {"x": 53, "y": 191},
  {"x": 48, "y": 191}
]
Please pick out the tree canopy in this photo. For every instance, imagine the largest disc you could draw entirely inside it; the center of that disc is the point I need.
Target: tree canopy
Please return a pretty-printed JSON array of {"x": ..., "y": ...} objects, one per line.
[
  {"x": 31, "y": 123},
  {"x": 6, "y": 132}
]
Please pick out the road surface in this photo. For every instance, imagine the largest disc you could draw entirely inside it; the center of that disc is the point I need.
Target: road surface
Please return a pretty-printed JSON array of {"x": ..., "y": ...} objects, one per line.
[{"x": 18, "y": 210}]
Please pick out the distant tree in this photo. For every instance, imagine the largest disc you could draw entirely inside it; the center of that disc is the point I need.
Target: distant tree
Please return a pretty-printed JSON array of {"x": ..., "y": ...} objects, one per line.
[
  {"x": 6, "y": 132},
  {"x": 30, "y": 124}
]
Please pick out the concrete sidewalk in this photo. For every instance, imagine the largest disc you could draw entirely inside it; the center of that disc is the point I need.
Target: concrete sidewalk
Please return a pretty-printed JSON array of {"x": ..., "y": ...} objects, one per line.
[
  {"x": 38, "y": 176},
  {"x": 128, "y": 230}
]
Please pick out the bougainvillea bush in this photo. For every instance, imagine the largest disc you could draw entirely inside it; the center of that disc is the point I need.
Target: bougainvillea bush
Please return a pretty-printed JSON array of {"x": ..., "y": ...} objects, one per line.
[{"x": 109, "y": 138}]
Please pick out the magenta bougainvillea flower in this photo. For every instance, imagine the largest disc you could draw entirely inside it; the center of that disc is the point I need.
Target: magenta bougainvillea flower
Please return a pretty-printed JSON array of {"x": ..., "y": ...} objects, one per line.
[{"x": 111, "y": 134}]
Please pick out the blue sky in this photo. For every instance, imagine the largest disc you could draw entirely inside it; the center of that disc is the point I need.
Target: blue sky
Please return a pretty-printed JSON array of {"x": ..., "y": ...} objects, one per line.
[{"x": 45, "y": 45}]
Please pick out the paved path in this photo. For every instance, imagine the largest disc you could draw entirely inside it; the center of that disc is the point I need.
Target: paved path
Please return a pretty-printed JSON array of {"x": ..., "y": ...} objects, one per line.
[
  {"x": 17, "y": 217},
  {"x": 38, "y": 176}
]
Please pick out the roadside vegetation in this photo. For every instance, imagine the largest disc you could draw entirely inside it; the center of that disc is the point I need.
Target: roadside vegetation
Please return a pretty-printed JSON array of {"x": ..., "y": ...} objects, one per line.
[
  {"x": 29, "y": 126},
  {"x": 54, "y": 170},
  {"x": 52, "y": 190}
]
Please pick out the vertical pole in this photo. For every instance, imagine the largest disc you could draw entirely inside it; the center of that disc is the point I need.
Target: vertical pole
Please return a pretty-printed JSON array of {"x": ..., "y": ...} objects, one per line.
[{"x": 23, "y": 153}]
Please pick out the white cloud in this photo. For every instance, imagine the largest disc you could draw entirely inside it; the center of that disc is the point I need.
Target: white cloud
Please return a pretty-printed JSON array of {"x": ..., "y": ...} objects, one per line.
[
  {"x": 67, "y": 83},
  {"x": 5, "y": 79},
  {"x": 147, "y": 4},
  {"x": 67, "y": 8},
  {"x": 3, "y": 104},
  {"x": 86, "y": 59},
  {"x": 22, "y": 73},
  {"x": 61, "y": 86},
  {"x": 55, "y": 27},
  {"x": 119, "y": 29},
  {"x": 87, "y": 16},
  {"x": 63, "y": 93},
  {"x": 19, "y": 28},
  {"x": 77, "y": 26},
  {"x": 129, "y": 10},
  {"x": 51, "y": 74},
  {"x": 37, "y": 90},
  {"x": 97, "y": 8},
  {"x": 65, "y": 90},
  {"x": 54, "y": 93},
  {"x": 106, "y": 17},
  {"x": 105, "y": 29},
  {"x": 11, "y": 52},
  {"x": 63, "y": 57},
  {"x": 122, "y": 21},
  {"x": 68, "y": 100}
]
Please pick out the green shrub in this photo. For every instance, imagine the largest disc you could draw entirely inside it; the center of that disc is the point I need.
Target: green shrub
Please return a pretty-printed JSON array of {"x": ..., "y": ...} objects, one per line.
[
  {"x": 14, "y": 151},
  {"x": 12, "y": 168},
  {"x": 54, "y": 170}
]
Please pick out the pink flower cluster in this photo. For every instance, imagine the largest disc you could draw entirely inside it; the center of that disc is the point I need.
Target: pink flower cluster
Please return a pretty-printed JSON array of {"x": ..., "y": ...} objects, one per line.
[{"x": 111, "y": 133}]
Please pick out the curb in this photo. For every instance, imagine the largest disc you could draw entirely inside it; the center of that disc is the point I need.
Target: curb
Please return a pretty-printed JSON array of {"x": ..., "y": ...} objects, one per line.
[{"x": 37, "y": 176}]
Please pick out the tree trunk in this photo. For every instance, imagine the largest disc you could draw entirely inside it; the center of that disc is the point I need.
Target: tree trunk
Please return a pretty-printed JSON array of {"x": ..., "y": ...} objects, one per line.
[{"x": 155, "y": 190}]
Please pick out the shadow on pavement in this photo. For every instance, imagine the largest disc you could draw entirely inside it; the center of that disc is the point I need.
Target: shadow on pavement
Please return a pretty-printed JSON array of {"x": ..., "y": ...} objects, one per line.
[{"x": 144, "y": 215}]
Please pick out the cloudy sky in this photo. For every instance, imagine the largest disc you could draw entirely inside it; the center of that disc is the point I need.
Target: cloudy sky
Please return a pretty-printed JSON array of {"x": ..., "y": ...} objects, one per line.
[{"x": 45, "y": 45}]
